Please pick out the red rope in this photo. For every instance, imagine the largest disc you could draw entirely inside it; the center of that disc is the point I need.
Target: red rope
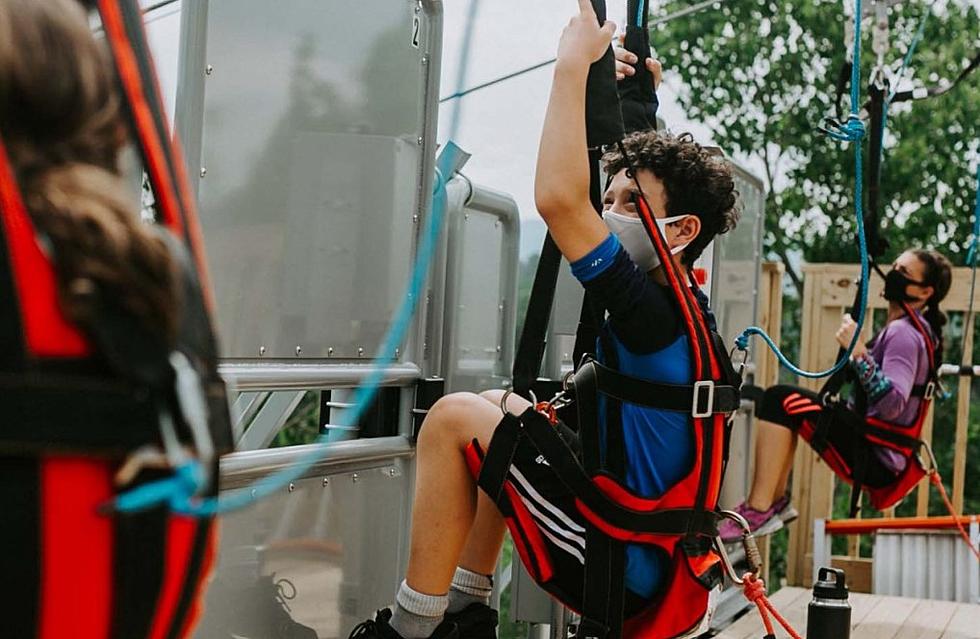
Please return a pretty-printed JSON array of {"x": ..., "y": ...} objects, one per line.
[
  {"x": 938, "y": 482},
  {"x": 754, "y": 590}
]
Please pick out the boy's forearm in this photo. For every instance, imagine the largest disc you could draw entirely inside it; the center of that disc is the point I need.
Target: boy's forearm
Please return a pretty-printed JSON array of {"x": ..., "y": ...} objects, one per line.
[{"x": 562, "y": 178}]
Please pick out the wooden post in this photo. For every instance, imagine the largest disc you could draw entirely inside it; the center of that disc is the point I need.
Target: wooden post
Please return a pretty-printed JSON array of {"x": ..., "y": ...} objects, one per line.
[{"x": 962, "y": 418}]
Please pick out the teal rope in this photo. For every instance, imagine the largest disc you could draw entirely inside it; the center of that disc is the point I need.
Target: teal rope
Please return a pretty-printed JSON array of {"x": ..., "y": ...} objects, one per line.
[
  {"x": 901, "y": 71},
  {"x": 179, "y": 490},
  {"x": 851, "y": 131},
  {"x": 971, "y": 257}
]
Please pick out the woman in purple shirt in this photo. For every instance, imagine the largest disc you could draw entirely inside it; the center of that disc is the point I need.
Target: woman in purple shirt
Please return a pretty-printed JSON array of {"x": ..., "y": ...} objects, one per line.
[{"x": 888, "y": 368}]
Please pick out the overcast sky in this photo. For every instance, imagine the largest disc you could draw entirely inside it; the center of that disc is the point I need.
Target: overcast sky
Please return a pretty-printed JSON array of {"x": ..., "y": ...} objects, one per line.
[{"x": 501, "y": 125}]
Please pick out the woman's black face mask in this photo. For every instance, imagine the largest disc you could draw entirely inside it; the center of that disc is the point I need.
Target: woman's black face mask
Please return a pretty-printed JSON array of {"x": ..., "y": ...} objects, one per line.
[{"x": 896, "y": 287}]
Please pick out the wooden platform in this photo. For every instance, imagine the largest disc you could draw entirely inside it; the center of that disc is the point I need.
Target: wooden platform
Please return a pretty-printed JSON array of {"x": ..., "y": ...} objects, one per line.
[{"x": 872, "y": 617}]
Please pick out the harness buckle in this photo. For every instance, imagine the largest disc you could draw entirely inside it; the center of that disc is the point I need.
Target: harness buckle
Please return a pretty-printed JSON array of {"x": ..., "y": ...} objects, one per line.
[
  {"x": 696, "y": 412},
  {"x": 930, "y": 391}
]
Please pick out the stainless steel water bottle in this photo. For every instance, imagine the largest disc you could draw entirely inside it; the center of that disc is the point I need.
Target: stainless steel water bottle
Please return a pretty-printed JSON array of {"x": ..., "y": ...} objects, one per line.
[{"x": 829, "y": 613}]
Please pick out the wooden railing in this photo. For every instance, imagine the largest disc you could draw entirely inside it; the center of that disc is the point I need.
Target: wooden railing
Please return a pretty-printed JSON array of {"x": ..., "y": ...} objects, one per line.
[{"x": 828, "y": 290}]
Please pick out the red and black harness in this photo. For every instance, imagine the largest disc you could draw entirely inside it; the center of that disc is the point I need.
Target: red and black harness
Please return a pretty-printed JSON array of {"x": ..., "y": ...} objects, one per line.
[
  {"x": 683, "y": 521},
  {"x": 80, "y": 401},
  {"x": 870, "y": 431}
]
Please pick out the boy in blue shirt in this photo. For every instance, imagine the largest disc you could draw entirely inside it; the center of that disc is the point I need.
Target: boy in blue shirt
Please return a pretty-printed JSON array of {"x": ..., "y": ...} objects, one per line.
[{"x": 458, "y": 530}]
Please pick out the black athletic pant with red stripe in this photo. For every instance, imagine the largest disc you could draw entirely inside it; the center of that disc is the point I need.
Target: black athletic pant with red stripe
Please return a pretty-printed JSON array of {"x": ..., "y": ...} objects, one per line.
[
  {"x": 791, "y": 406},
  {"x": 72, "y": 573}
]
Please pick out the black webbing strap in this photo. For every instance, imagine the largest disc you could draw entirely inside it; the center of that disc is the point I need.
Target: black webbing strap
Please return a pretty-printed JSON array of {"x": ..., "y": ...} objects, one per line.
[
  {"x": 877, "y": 245},
  {"x": 636, "y": 93},
  {"x": 499, "y": 455},
  {"x": 76, "y": 415},
  {"x": 530, "y": 347},
  {"x": 672, "y": 397}
]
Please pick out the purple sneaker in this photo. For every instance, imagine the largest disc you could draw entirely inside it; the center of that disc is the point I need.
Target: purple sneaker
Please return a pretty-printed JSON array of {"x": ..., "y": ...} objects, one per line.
[{"x": 762, "y": 523}]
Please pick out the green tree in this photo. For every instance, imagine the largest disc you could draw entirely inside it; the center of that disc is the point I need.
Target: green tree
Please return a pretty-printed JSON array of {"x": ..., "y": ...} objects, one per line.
[{"x": 761, "y": 74}]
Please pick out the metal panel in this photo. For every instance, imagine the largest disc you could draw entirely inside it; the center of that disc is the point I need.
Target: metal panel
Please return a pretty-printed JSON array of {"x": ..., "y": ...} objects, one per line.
[
  {"x": 734, "y": 286},
  {"x": 480, "y": 297},
  {"x": 334, "y": 543},
  {"x": 313, "y": 150},
  {"x": 926, "y": 565}
]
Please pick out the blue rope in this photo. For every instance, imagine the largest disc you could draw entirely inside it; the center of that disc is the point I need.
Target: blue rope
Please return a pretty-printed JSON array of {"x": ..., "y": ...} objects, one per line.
[
  {"x": 178, "y": 490},
  {"x": 971, "y": 257},
  {"x": 851, "y": 131},
  {"x": 640, "y": 11}
]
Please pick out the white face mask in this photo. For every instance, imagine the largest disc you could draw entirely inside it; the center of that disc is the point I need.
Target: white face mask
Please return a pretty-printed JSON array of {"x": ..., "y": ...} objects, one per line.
[{"x": 633, "y": 236}]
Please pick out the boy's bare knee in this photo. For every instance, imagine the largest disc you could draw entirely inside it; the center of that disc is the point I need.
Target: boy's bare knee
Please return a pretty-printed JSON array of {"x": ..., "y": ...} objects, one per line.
[
  {"x": 493, "y": 396},
  {"x": 447, "y": 418}
]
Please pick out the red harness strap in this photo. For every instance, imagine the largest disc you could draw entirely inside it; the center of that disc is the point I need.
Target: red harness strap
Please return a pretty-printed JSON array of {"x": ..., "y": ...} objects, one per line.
[{"x": 904, "y": 439}]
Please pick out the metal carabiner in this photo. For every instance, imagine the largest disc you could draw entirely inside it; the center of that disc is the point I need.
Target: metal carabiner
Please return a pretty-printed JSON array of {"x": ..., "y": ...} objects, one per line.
[
  {"x": 752, "y": 554},
  {"x": 506, "y": 396}
]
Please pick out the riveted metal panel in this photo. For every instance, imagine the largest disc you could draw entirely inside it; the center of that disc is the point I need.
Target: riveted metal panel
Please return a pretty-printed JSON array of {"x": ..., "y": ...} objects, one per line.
[
  {"x": 325, "y": 553},
  {"x": 926, "y": 565},
  {"x": 315, "y": 149},
  {"x": 480, "y": 295}
]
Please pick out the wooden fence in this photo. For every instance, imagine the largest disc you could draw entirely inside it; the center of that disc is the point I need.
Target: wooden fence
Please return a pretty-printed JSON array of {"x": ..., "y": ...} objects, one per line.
[{"x": 828, "y": 290}]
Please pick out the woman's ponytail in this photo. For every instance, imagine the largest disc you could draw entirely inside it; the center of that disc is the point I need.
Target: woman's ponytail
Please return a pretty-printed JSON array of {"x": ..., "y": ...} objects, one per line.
[{"x": 938, "y": 275}]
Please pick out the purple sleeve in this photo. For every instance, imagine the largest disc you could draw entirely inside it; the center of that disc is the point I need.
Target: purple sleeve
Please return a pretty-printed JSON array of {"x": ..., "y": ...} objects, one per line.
[{"x": 898, "y": 360}]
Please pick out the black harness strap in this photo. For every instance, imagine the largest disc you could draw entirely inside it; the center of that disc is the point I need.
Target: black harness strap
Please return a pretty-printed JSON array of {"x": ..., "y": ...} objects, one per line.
[{"x": 700, "y": 399}]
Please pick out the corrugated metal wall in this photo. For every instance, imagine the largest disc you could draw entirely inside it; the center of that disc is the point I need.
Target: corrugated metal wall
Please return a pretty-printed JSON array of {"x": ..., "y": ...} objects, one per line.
[{"x": 926, "y": 565}]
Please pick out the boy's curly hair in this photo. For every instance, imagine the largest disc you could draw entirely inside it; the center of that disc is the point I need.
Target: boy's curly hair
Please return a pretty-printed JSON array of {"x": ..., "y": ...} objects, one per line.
[{"x": 695, "y": 181}]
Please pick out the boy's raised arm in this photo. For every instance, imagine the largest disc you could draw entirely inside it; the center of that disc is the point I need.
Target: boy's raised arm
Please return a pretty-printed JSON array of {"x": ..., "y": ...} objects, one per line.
[{"x": 561, "y": 185}]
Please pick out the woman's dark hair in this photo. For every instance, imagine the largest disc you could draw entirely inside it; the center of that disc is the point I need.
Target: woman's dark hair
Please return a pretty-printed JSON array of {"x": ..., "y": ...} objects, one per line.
[
  {"x": 61, "y": 124},
  {"x": 938, "y": 275},
  {"x": 695, "y": 181}
]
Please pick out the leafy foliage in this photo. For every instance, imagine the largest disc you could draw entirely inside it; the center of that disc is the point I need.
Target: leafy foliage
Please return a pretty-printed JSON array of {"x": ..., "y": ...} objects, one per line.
[{"x": 761, "y": 73}]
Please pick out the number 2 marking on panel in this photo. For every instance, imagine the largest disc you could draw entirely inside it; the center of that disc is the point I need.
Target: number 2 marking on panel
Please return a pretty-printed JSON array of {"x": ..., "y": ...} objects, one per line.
[{"x": 416, "y": 28}]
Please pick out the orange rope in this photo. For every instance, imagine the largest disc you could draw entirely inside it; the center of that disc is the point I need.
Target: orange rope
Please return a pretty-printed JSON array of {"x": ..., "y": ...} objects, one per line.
[
  {"x": 938, "y": 482},
  {"x": 754, "y": 590}
]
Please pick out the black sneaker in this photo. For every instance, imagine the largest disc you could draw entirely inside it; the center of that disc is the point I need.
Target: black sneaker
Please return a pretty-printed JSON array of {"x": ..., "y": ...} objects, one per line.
[
  {"x": 380, "y": 628},
  {"x": 475, "y": 621}
]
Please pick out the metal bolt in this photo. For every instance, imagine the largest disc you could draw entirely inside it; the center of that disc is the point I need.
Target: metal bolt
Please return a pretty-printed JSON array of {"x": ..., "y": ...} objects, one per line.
[
  {"x": 418, "y": 8},
  {"x": 392, "y": 472},
  {"x": 325, "y": 482},
  {"x": 329, "y": 351},
  {"x": 415, "y": 219},
  {"x": 209, "y": 69},
  {"x": 299, "y": 350},
  {"x": 499, "y": 349},
  {"x": 360, "y": 352},
  {"x": 354, "y": 478},
  {"x": 425, "y": 60},
  {"x": 466, "y": 216},
  {"x": 292, "y": 487},
  {"x": 398, "y": 352},
  {"x": 421, "y": 140},
  {"x": 204, "y": 171},
  {"x": 261, "y": 351}
]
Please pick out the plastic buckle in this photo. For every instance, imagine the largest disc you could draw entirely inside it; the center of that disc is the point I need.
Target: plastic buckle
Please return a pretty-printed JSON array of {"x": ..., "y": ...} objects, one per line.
[
  {"x": 709, "y": 408},
  {"x": 930, "y": 391}
]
